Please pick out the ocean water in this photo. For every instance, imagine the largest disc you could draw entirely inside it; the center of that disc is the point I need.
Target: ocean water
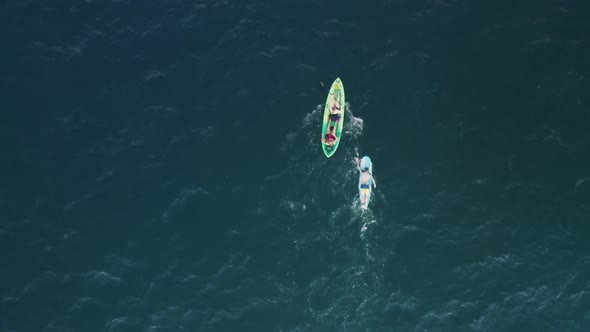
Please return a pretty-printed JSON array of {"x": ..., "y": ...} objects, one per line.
[{"x": 162, "y": 169}]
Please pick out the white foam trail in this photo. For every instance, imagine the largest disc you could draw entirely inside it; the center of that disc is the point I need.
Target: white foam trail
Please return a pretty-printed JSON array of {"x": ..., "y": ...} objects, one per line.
[{"x": 308, "y": 164}]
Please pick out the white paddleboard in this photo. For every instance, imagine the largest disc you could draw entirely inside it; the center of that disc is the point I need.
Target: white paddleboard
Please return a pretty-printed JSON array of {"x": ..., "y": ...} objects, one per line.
[{"x": 366, "y": 163}]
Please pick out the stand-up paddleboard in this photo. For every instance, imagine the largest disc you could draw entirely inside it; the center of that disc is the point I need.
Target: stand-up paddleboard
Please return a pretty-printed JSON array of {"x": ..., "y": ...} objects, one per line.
[
  {"x": 335, "y": 98},
  {"x": 366, "y": 163}
]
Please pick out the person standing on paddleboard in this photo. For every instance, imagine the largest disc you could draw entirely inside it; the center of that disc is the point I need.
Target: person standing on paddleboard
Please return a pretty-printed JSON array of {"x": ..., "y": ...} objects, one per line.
[{"x": 365, "y": 183}]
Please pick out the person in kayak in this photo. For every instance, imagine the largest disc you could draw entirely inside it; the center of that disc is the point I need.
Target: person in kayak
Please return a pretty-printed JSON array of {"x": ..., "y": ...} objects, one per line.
[
  {"x": 330, "y": 138},
  {"x": 365, "y": 183},
  {"x": 335, "y": 112}
]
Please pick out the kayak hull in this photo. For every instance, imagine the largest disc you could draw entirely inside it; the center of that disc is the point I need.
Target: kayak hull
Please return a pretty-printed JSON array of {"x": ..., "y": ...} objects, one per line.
[{"x": 337, "y": 92}]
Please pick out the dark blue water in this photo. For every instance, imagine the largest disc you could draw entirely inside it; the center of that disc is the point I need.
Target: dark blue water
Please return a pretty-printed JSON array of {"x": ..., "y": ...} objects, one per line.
[{"x": 162, "y": 169}]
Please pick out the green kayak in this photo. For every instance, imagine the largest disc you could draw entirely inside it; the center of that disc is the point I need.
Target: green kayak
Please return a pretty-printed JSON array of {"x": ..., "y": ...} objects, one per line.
[{"x": 334, "y": 104}]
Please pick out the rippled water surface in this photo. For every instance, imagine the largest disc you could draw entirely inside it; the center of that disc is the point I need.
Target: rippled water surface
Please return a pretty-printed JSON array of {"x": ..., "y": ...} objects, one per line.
[{"x": 162, "y": 167}]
